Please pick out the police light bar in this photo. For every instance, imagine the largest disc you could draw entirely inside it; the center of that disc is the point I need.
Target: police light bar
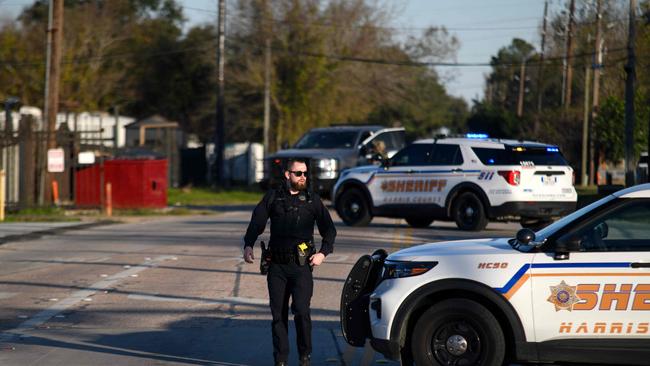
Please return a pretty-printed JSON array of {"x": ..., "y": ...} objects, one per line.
[
  {"x": 476, "y": 136},
  {"x": 552, "y": 149}
]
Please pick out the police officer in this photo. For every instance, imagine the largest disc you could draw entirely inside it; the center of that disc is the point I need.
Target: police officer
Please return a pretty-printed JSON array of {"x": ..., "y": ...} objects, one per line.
[{"x": 293, "y": 210}]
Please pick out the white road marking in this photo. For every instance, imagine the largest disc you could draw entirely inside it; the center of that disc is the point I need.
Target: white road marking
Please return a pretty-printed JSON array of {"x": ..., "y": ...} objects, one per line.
[
  {"x": 225, "y": 300},
  {"x": 335, "y": 258},
  {"x": 78, "y": 296}
]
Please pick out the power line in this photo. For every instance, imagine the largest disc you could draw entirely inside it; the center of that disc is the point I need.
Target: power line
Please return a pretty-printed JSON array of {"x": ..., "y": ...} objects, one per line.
[
  {"x": 389, "y": 28},
  {"x": 205, "y": 48}
]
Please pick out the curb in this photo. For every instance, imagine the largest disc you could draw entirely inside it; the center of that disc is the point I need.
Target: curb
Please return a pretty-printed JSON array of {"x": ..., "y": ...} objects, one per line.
[{"x": 38, "y": 234}]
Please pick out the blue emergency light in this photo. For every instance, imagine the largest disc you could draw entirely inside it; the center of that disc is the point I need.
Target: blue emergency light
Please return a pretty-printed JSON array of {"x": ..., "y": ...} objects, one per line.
[
  {"x": 552, "y": 149},
  {"x": 476, "y": 136}
]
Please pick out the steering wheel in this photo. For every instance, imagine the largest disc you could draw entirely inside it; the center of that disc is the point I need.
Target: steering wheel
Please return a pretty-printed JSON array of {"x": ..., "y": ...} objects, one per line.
[{"x": 596, "y": 237}]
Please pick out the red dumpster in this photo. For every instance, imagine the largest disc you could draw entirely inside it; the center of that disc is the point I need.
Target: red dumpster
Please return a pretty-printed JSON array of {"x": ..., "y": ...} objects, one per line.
[{"x": 136, "y": 183}]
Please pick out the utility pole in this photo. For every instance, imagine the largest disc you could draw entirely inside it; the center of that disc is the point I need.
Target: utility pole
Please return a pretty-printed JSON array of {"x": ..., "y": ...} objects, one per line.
[
  {"x": 630, "y": 69},
  {"x": 540, "y": 73},
  {"x": 585, "y": 131},
  {"x": 267, "y": 94},
  {"x": 52, "y": 73},
  {"x": 219, "y": 139},
  {"x": 522, "y": 85},
  {"x": 267, "y": 78},
  {"x": 595, "y": 100},
  {"x": 569, "y": 56}
]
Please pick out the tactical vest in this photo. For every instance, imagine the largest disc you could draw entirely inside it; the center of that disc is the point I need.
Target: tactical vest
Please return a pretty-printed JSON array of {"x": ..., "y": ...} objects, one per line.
[{"x": 292, "y": 222}]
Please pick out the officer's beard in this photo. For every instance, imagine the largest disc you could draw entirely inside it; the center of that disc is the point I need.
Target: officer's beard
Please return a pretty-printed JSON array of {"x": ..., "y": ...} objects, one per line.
[{"x": 298, "y": 186}]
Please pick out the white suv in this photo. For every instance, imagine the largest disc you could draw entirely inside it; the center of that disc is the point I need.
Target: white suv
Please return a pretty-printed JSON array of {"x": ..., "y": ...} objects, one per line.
[
  {"x": 577, "y": 291},
  {"x": 468, "y": 180}
]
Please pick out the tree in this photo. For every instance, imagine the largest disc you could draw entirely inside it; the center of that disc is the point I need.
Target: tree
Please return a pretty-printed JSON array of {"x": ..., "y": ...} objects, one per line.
[
  {"x": 315, "y": 78},
  {"x": 609, "y": 128}
]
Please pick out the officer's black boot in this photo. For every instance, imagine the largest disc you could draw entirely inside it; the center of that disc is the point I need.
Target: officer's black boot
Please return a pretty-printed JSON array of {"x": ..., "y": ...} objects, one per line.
[{"x": 305, "y": 360}]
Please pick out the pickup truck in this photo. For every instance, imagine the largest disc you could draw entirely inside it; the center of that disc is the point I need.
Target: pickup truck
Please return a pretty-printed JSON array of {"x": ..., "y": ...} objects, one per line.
[{"x": 330, "y": 150}]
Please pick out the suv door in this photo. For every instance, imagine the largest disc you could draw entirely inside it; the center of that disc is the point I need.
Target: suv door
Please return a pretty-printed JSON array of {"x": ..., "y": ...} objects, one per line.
[
  {"x": 446, "y": 167},
  {"x": 602, "y": 290},
  {"x": 394, "y": 184}
]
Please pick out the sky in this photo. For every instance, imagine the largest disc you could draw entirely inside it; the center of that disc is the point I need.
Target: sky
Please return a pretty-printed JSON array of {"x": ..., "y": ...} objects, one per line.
[{"x": 482, "y": 27}]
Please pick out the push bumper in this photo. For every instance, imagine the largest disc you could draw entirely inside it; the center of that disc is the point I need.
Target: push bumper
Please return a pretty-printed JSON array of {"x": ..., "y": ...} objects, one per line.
[
  {"x": 390, "y": 349},
  {"x": 355, "y": 298},
  {"x": 533, "y": 209}
]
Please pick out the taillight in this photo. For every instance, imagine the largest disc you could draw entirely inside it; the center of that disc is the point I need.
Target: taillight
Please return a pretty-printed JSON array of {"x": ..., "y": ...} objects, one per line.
[{"x": 513, "y": 177}]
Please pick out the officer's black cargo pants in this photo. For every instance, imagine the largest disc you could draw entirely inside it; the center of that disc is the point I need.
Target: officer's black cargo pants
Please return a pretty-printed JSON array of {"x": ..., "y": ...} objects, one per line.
[{"x": 285, "y": 280}]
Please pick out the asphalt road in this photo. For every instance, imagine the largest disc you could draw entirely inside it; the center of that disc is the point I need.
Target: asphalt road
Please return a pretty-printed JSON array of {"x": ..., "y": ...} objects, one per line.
[{"x": 173, "y": 291}]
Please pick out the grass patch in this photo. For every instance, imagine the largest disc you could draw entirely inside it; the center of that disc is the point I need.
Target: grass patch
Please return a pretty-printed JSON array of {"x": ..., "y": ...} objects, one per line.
[
  {"x": 39, "y": 214},
  {"x": 212, "y": 197},
  {"x": 587, "y": 190}
]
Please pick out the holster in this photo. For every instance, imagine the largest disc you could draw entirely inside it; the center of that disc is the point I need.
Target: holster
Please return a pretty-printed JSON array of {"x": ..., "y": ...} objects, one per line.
[
  {"x": 304, "y": 255},
  {"x": 265, "y": 259}
]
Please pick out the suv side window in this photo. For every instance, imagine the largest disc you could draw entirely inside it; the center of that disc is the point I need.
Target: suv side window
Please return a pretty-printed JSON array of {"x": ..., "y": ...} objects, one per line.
[
  {"x": 622, "y": 230},
  {"x": 398, "y": 139},
  {"x": 385, "y": 138},
  {"x": 446, "y": 154},
  {"x": 415, "y": 154},
  {"x": 393, "y": 140}
]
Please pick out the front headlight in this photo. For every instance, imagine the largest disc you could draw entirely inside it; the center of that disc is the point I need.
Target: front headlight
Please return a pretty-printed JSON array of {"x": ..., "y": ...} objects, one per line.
[
  {"x": 395, "y": 269},
  {"x": 328, "y": 168}
]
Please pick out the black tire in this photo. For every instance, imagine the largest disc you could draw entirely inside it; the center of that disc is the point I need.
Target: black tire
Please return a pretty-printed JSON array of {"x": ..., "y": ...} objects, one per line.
[
  {"x": 468, "y": 212},
  {"x": 353, "y": 208},
  {"x": 419, "y": 221},
  {"x": 478, "y": 336}
]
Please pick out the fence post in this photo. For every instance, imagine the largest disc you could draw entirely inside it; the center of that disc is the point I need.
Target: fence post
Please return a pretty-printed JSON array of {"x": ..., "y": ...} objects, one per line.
[{"x": 2, "y": 195}]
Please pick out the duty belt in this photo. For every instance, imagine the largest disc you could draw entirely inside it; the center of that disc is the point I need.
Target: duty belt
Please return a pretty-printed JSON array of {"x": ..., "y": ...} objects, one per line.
[{"x": 283, "y": 255}]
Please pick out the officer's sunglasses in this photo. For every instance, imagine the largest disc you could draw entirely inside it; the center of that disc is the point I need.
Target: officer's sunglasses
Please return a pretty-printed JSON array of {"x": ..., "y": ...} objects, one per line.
[{"x": 298, "y": 173}]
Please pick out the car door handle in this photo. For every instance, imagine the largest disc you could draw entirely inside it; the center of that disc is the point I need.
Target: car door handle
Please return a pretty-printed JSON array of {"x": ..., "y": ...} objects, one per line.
[
  {"x": 456, "y": 170},
  {"x": 411, "y": 171},
  {"x": 640, "y": 265}
]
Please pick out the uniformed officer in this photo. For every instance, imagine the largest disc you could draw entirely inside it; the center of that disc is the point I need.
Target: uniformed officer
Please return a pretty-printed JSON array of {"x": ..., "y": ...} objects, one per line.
[{"x": 293, "y": 210}]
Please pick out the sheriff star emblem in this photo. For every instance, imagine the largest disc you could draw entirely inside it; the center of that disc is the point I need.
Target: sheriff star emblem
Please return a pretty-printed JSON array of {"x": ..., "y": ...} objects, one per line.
[{"x": 563, "y": 296}]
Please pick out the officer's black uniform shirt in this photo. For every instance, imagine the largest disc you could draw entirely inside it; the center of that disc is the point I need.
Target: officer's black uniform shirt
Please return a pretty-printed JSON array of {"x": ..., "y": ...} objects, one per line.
[{"x": 292, "y": 220}]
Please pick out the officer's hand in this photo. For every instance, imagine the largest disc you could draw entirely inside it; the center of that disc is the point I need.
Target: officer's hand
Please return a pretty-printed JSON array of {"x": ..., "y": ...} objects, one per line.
[
  {"x": 248, "y": 254},
  {"x": 317, "y": 259}
]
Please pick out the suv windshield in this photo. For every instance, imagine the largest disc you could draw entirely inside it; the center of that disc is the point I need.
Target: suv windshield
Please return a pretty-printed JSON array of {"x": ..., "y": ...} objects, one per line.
[
  {"x": 510, "y": 156},
  {"x": 328, "y": 140}
]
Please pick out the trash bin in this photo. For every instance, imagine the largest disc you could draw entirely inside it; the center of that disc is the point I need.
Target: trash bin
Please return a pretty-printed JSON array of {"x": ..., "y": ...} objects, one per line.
[{"x": 135, "y": 183}]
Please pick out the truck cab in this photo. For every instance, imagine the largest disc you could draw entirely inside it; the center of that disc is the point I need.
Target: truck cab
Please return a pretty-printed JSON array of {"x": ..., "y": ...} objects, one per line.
[{"x": 330, "y": 150}]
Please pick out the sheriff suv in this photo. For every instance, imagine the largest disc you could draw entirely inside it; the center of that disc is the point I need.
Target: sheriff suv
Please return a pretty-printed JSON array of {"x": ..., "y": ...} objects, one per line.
[
  {"x": 578, "y": 291},
  {"x": 468, "y": 180}
]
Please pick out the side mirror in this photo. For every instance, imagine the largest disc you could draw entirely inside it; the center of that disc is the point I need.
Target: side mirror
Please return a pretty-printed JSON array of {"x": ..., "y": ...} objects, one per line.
[
  {"x": 363, "y": 150},
  {"x": 285, "y": 145},
  {"x": 566, "y": 245},
  {"x": 525, "y": 236}
]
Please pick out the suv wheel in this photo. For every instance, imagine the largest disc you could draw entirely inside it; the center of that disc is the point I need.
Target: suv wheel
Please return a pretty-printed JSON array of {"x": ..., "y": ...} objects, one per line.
[
  {"x": 419, "y": 221},
  {"x": 468, "y": 212},
  {"x": 353, "y": 208},
  {"x": 458, "y": 332}
]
